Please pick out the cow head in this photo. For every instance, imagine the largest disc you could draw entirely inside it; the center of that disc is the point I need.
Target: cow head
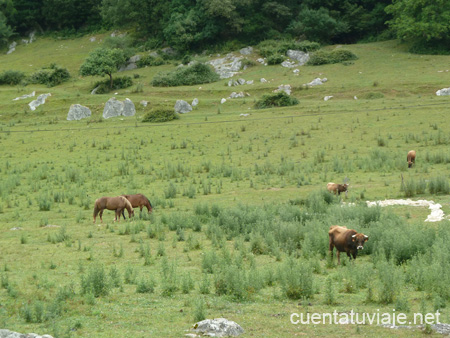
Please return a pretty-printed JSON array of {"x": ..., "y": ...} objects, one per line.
[
  {"x": 410, "y": 164},
  {"x": 359, "y": 240}
]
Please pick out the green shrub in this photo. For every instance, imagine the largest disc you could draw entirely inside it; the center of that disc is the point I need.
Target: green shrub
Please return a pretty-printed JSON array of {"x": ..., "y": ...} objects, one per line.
[
  {"x": 247, "y": 63},
  {"x": 96, "y": 282},
  {"x": 103, "y": 87},
  {"x": 160, "y": 115},
  {"x": 275, "y": 59},
  {"x": 11, "y": 77},
  {"x": 186, "y": 76},
  {"x": 280, "y": 99},
  {"x": 297, "y": 279},
  {"x": 272, "y": 47},
  {"x": 439, "y": 185},
  {"x": 149, "y": 60},
  {"x": 322, "y": 57},
  {"x": 50, "y": 76}
]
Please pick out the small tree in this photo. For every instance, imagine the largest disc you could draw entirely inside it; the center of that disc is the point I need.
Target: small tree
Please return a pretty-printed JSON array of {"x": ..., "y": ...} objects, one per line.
[{"x": 103, "y": 61}]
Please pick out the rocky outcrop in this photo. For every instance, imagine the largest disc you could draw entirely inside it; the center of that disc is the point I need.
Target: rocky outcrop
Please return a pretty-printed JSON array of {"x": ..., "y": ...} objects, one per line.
[
  {"x": 40, "y": 100},
  {"x": 182, "y": 107},
  {"x": 11, "y": 334},
  {"x": 219, "y": 327},
  {"x": 228, "y": 66},
  {"x": 78, "y": 112},
  {"x": 114, "y": 107},
  {"x": 443, "y": 92},
  {"x": 25, "y": 96}
]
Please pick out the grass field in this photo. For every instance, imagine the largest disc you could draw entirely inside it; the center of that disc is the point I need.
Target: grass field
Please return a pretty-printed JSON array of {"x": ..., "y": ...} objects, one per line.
[{"x": 240, "y": 221}]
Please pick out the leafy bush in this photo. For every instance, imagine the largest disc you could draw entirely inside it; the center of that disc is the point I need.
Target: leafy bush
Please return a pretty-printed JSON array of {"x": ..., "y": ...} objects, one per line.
[
  {"x": 247, "y": 63},
  {"x": 118, "y": 83},
  {"x": 186, "y": 76},
  {"x": 275, "y": 59},
  {"x": 11, "y": 77},
  {"x": 322, "y": 57},
  {"x": 160, "y": 115},
  {"x": 280, "y": 99},
  {"x": 149, "y": 60},
  {"x": 272, "y": 47},
  {"x": 51, "y": 76}
]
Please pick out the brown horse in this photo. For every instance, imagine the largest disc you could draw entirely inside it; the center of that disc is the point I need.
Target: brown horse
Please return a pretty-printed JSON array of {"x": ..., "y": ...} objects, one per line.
[
  {"x": 118, "y": 204},
  {"x": 138, "y": 200}
]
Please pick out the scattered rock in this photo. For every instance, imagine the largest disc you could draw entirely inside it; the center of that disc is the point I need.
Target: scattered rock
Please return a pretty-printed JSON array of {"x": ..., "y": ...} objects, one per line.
[
  {"x": 223, "y": 101},
  {"x": 326, "y": 98},
  {"x": 11, "y": 334},
  {"x": 31, "y": 38},
  {"x": 131, "y": 63},
  {"x": 143, "y": 103},
  {"x": 194, "y": 102},
  {"x": 219, "y": 327},
  {"x": 25, "y": 96},
  {"x": 317, "y": 81},
  {"x": 94, "y": 91},
  {"x": 114, "y": 107},
  {"x": 40, "y": 100},
  {"x": 78, "y": 112},
  {"x": 288, "y": 64},
  {"x": 443, "y": 92},
  {"x": 283, "y": 88},
  {"x": 249, "y": 82},
  {"x": 16, "y": 228},
  {"x": 299, "y": 56},
  {"x": 244, "y": 115},
  {"x": 182, "y": 107},
  {"x": 296, "y": 71},
  {"x": 263, "y": 80},
  {"x": 12, "y": 47},
  {"x": 92, "y": 39},
  {"x": 235, "y": 95},
  {"x": 246, "y": 51},
  {"x": 228, "y": 66},
  {"x": 355, "y": 97}
]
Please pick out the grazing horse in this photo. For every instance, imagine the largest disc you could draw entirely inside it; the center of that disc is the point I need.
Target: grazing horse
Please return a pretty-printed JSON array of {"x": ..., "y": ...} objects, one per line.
[
  {"x": 138, "y": 200},
  {"x": 118, "y": 204},
  {"x": 411, "y": 158}
]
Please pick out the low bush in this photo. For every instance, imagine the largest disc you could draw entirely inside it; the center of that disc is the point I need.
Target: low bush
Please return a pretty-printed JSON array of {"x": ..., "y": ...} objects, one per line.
[
  {"x": 160, "y": 115},
  {"x": 50, "y": 76},
  {"x": 280, "y": 99},
  {"x": 103, "y": 87},
  {"x": 322, "y": 57},
  {"x": 11, "y": 77},
  {"x": 271, "y": 47},
  {"x": 186, "y": 76},
  {"x": 275, "y": 59},
  {"x": 149, "y": 60}
]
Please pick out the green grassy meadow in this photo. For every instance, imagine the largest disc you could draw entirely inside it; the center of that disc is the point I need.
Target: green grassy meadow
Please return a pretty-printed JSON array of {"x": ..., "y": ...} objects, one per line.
[{"x": 241, "y": 215}]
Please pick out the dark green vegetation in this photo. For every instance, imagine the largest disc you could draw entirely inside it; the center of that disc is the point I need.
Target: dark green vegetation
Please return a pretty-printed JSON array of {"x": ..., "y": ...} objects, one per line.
[
  {"x": 198, "y": 25},
  {"x": 160, "y": 115},
  {"x": 280, "y": 99},
  {"x": 197, "y": 73},
  {"x": 241, "y": 215}
]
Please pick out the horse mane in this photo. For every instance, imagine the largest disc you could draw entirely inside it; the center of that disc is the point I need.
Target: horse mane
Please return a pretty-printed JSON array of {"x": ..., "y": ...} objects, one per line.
[
  {"x": 149, "y": 203},
  {"x": 127, "y": 203}
]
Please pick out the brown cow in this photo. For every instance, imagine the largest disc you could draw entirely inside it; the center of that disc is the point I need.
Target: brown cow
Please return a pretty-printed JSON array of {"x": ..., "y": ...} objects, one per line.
[
  {"x": 345, "y": 240},
  {"x": 411, "y": 158},
  {"x": 337, "y": 188}
]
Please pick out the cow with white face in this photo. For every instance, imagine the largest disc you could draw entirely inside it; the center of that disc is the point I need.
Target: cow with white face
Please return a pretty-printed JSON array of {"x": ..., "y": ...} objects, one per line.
[{"x": 346, "y": 240}]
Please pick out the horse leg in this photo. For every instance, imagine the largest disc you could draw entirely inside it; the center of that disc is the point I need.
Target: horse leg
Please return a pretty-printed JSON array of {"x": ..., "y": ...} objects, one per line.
[{"x": 101, "y": 215}]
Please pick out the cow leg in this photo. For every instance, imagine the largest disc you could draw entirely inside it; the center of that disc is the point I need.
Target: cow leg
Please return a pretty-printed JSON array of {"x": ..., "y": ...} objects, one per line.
[{"x": 338, "y": 254}]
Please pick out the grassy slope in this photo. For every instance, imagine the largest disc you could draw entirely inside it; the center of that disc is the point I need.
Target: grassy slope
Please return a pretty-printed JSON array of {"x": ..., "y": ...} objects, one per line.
[{"x": 122, "y": 155}]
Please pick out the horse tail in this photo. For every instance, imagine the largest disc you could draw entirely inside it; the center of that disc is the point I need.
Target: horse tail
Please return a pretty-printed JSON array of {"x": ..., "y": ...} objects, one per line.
[{"x": 128, "y": 206}]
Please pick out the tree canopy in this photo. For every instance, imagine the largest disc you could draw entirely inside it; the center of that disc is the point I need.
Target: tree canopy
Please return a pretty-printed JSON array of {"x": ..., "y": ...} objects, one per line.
[
  {"x": 198, "y": 24},
  {"x": 103, "y": 61}
]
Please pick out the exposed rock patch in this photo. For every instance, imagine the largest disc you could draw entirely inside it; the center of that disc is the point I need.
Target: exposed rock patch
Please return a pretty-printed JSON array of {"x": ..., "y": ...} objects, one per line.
[
  {"x": 78, "y": 112},
  {"x": 40, "y": 100},
  {"x": 182, "y": 107},
  {"x": 219, "y": 327}
]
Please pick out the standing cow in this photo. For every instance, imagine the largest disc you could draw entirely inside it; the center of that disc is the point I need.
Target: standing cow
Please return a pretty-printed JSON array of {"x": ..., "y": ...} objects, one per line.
[
  {"x": 337, "y": 188},
  {"x": 346, "y": 240},
  {"x": 411, "y": 158}
]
